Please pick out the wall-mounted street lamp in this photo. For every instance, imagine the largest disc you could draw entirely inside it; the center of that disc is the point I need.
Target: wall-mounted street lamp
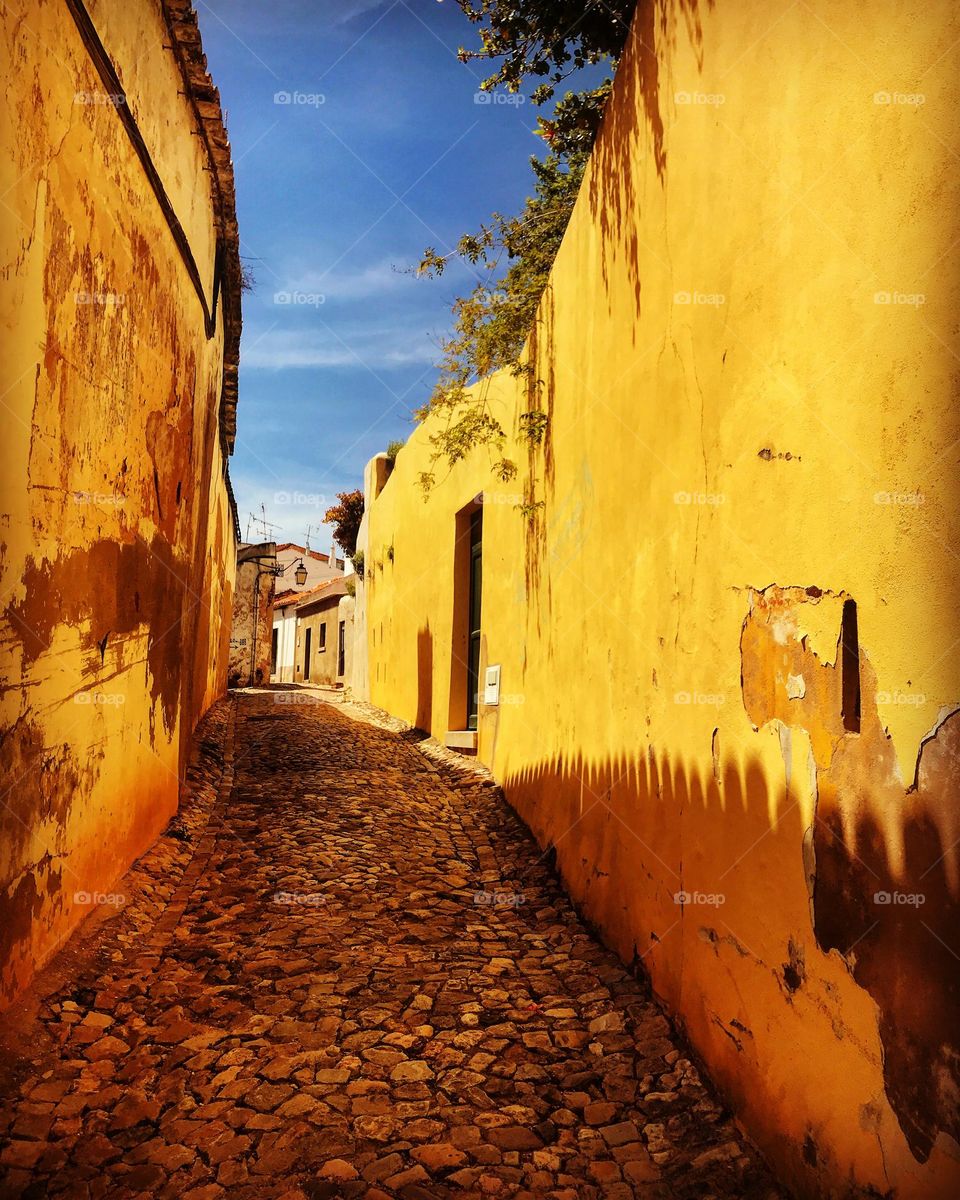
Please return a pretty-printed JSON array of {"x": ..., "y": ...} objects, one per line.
[
  {"x": 276, "y": 570},
  {"x": 299, "y": 574}
]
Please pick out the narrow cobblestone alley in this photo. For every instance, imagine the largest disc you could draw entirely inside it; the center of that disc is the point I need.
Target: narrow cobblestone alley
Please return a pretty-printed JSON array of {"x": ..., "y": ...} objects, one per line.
[{"x": 346, "y": 970}]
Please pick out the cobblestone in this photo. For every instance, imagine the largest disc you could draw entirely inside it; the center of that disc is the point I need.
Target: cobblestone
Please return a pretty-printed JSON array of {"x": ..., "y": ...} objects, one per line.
[{"x": 318, "y": 988}]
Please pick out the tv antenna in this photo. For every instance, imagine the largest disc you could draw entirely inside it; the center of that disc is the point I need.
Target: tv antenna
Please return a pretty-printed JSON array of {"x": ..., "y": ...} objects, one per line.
[{"x": 264, "y": 525}]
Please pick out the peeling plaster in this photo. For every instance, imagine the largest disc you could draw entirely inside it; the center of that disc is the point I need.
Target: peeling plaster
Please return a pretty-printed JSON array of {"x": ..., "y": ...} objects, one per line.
[{"x": 880, "y": 858}]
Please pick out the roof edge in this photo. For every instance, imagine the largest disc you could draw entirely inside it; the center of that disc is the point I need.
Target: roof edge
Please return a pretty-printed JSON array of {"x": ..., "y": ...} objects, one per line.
[{"x": 204, "y": 98}]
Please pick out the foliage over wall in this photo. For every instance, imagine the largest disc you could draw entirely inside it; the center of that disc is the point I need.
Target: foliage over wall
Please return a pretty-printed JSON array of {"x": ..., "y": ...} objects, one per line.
[
  {"x": 543, "y": 41},
  {"x": 345, "y": 518}
]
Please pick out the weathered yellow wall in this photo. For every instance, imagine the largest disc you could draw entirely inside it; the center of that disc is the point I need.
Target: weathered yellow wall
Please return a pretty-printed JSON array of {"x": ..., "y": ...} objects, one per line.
[
  {"x": 217, "y": 591},
  {"x": 742, "y": 435},
  {"x": 117, "y": 529}
]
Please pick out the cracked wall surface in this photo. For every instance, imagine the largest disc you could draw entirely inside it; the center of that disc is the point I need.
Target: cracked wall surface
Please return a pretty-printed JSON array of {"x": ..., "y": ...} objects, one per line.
[
  {"x": 117, "y": 526},
  {"x": 726, "y": 626}
]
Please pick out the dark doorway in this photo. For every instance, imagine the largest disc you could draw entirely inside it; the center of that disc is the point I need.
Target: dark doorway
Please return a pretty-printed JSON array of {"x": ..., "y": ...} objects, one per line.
[
  {"x": 476, "y": 590},
  {"x": 273, "y": 651},
  {"x": 306, "y": 653},
  {"x": 467, "y": 583},
  {"x": 341, "y": 647}
]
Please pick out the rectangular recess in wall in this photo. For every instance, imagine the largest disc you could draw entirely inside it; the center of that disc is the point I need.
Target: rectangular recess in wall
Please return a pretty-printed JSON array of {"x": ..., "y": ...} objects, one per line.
[{"x": 850, "y": 667}]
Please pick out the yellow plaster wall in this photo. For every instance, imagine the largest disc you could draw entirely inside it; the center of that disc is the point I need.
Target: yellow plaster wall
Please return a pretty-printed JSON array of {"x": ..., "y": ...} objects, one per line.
[
  {"x": 116, "y": 529},
  {"x": 742, "y": 436},
  {"x": 132, "y": 33}
]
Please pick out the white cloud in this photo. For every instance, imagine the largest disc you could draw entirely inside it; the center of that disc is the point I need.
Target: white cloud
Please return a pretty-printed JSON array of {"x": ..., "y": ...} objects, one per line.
[
  {"x": 372, "y": 280},
  {"x": 292, "y": 14},
  {"x": 389, "y": 273},
  {"x": 377, "y": 349},
  {"x": 344, "y": 12}
]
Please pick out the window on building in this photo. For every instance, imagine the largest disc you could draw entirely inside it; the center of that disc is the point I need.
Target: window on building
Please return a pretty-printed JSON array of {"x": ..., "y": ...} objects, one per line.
[{"x": 323, "y": 636}]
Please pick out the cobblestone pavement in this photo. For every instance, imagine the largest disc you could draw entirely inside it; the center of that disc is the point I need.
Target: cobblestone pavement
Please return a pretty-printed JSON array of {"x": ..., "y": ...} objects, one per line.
[{"x": 346, "y": 970}]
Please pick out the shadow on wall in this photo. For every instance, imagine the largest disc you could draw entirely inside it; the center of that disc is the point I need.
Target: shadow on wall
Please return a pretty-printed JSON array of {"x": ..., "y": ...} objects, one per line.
[
  {"x": 630, "y": 837},
  {"x": 424, "y": 678},
  {"x": 880, "y": 862},
  {"x": 80, "y": 589},
  {"x": 539, "y": 396},
  {"x": 902, "y": 918},
  {"x": 613, "y": 181},
  {"x": 884, "y": 853},
  {"x": 24, "y": 901},
  {"x": 620, "y": 818}
]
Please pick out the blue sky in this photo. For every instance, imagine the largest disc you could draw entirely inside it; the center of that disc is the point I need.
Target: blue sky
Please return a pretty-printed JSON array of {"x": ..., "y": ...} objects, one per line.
[{"x": 380, "y": 150}]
